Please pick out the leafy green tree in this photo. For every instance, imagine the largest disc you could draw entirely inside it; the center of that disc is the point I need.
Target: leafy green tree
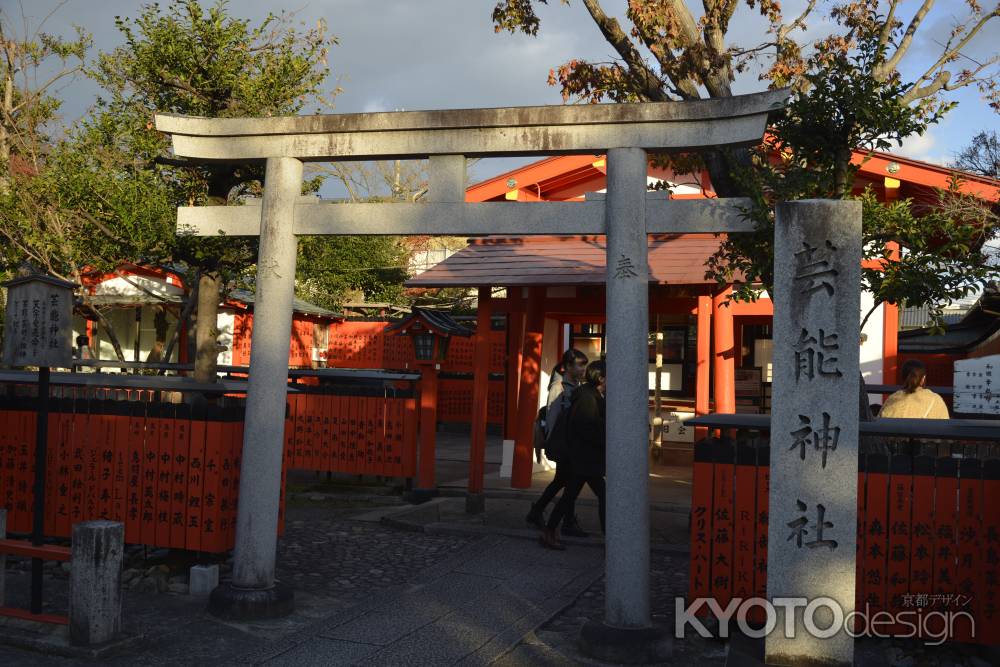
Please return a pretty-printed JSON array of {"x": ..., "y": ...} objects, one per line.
[
  {"x": 943, "y": 255},
  {"x": 68, "y": 200},
  {"x": 849, "y": 95},
  {"x": 189, "y": 59},
  {"x": 333, "y": 270},
  {"x": 842, "y": 107},
  {"x": 675, "y": 50}
]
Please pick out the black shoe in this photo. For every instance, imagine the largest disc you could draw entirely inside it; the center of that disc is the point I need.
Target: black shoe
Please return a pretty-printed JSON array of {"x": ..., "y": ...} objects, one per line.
[
  {"x": 571, "y": 528},
  {"x": 536, "y": 518}
]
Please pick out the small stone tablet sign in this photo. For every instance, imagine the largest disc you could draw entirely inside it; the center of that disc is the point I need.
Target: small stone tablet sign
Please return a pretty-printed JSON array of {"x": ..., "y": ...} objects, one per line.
[{"x": 39, "y": 322}]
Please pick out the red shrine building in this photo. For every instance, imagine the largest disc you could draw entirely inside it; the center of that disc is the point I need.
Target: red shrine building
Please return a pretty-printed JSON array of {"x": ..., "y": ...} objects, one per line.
[{"x": 715, "y": 357}]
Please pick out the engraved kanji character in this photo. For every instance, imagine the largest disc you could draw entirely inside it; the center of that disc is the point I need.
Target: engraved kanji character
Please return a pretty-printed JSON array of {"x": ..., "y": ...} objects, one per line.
[{"x": 813, "y": 266}]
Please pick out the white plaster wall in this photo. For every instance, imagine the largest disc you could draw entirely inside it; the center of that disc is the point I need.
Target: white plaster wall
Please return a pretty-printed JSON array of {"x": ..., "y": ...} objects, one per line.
[
  {"x": 871, "y": 349},
  {"x": 123, "y": 320},
  {"x": 550, "y": 357},
  {"x": 226, "y": 321},
  {"x": 122, "y": 287}
]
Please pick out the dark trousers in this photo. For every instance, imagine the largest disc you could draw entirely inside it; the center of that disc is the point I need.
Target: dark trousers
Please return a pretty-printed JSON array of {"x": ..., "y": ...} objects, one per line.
[
  {"x": 564, "y": 507},
  {"x": 558, "y": 482}
]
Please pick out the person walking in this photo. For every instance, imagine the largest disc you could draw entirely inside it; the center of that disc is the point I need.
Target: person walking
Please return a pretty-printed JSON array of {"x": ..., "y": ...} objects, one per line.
[
  {"x": 565, "y": 378},
  {"x": 585, "y": 454}
]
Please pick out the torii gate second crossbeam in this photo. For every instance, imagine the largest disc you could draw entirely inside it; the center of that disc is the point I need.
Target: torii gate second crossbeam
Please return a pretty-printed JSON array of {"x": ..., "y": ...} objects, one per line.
[{"x": 625, "y": 132}]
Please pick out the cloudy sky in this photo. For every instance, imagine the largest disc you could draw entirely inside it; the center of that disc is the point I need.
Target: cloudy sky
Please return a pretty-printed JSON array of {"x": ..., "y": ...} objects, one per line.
[{"x": 401, "y": 54}]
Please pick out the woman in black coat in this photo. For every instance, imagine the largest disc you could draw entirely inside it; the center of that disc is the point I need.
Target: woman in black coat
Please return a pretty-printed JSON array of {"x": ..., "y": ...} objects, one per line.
[{"x": 586, "y": 454}]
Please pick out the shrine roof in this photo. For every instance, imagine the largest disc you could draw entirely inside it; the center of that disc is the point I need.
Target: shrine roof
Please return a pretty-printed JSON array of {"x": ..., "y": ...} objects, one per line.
[
  {"x": 298, "y": 305},
  {"x": 675, "y": 259},
  {"x": 438, "y": 320},
  {"x": 979, "y": 323}
]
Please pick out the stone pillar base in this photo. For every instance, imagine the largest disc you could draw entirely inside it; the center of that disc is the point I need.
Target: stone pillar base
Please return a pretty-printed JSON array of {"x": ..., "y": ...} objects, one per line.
[
  {"x": 419, "y": 496},
  {"x": 628, "y": 646},
  {"x": 246, "y": 604},
  {"x": 475, "y": 503}
]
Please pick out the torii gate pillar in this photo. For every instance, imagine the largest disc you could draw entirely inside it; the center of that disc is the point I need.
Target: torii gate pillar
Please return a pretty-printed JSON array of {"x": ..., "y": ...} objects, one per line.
[
  {"x": 627, "y": 632},
  {"x": 253, "y": 591}
]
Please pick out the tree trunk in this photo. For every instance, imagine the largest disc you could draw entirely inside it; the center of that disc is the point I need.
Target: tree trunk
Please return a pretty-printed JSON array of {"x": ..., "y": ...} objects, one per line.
[
  {"x": 721, "y": 165},
  {"x": 207, "y": 329},
  {"x": 220, "y": 183},
  {"x": 869, "y": 314},
  {"x": 182, "y": 319},
  {"x": 160, "y": 325},
  {"x": 841, "y": 174}
]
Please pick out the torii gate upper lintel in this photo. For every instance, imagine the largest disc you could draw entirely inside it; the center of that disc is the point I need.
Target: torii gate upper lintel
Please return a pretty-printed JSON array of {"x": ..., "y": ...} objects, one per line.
[{"x": 625, "y": 132}]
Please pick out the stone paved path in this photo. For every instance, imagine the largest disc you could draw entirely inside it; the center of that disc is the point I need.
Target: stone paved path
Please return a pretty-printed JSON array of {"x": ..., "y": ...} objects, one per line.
[{"x": 467, "y": 610}]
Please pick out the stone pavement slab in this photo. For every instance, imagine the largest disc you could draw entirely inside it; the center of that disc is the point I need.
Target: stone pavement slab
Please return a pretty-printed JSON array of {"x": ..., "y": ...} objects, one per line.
[
  {"x": 469, "y": 609},
  {"x": 324, "y": 652}
]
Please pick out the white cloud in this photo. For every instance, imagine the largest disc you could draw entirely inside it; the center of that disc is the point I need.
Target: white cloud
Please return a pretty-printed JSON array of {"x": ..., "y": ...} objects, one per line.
[{"x": 926, "y": 147}]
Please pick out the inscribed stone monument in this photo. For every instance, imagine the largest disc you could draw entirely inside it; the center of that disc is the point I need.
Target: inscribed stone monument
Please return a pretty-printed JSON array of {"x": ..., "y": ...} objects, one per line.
[
  {"x": 39, "y": 322},
  {"x": 814, "y": 428}
]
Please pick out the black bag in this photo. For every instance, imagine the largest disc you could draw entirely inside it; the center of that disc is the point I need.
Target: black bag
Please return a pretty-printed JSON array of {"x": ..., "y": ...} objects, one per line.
[{"x": 557, "y": 442}]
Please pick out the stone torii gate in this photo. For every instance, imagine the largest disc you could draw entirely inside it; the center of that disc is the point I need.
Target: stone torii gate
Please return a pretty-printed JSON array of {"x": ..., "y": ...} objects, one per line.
[{"x": 625, "y": 132}]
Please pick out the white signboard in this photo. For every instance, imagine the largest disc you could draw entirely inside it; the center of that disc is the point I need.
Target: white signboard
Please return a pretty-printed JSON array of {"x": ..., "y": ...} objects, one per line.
[
  {"x": 38, "y": 329},
  {"x": 976, "y": 390},
  {"x": 670, "y": 377},
  {"x": 674, "y": 429}
]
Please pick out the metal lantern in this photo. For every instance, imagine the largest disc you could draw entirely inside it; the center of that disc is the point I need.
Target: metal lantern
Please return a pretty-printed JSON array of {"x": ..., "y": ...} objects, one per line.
[
  {"x": 431, "y": 332},
  {"x": 423, "y": 346}
]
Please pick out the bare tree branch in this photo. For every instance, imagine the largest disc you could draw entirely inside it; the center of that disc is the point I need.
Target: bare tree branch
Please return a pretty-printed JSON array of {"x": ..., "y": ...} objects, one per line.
[
  {"x": 650, "y": 85},
  {"x": 799, "y": 22},
  {"x": 683, "y": 87},
  {"x": 883, "y": 71},
  {"x": 885, "y": 34},
  {"x": 936, "y": 82}
]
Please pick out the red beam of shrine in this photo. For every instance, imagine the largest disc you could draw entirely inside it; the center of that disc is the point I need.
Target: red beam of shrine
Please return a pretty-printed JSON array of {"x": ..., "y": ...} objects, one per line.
[
  {"x": 704, "y": 362},
  {"x": 725, "y": 357},
  {"x": 480, "y": 391},
  {"x": 527, "y": 404}
]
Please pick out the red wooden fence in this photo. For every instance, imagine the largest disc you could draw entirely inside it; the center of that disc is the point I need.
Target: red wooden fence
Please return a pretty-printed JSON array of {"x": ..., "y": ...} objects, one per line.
[
  {"x": 170, "y": 472},
  {"x": 366, "y": 345},
  {"x": 364, "y": 435},
  {"x": 928, "y": 534}
]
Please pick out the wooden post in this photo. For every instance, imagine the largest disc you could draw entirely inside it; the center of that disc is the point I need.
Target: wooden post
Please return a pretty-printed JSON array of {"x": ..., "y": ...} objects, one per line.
[
  {"x": 3, "y": 557},
  {"x": 527, "y": 403},
  {"x": 136, "y": 351},
  {"x": 475, "y": 501},
  {"x": 428, "y": 430},
  {"x": 725, "y": 357},
  {"x": 703, "y": 375},
  {"x": 38, "y": 509},
  {"x": 515, "y": 341}
]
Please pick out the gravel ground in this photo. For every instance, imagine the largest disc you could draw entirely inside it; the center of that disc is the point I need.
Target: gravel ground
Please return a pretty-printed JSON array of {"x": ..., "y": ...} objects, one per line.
[
  {"x": 330, "y": 560},
  {"x": 328, "y": 554}
]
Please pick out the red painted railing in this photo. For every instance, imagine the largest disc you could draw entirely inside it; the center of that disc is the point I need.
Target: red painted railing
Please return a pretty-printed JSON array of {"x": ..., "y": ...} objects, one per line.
[
  {"x": 170, "y": 472},
  {"x": 928, "y": 534}
]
